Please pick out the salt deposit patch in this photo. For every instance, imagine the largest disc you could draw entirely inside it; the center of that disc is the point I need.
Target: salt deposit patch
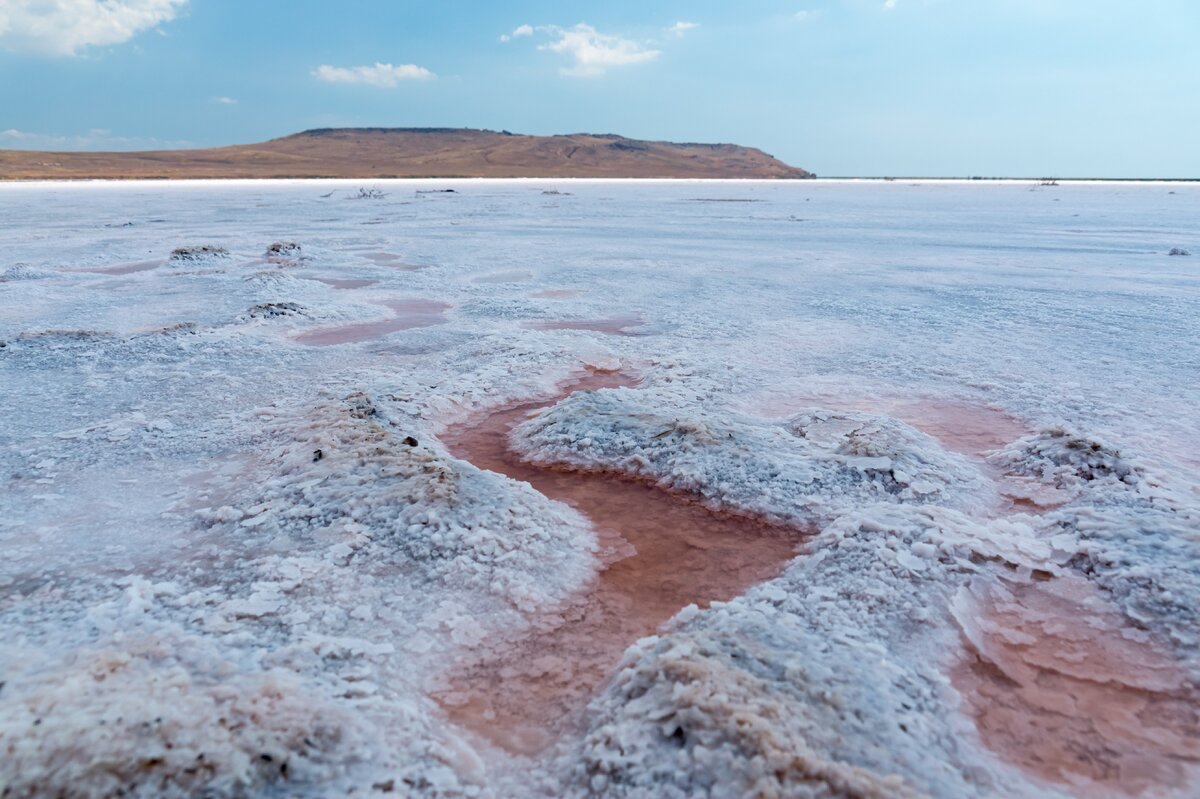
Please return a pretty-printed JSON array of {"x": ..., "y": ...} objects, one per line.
[
  {"x": 345, "y": 283},
  {"x": 519, "y": 276},
  {"x": 555, "y": 294},
  {"x": 613, "y": 326}
]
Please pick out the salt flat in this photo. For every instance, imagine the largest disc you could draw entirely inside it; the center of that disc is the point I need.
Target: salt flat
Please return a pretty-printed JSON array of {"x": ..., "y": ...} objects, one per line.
[{"x": 948, "y": 428}]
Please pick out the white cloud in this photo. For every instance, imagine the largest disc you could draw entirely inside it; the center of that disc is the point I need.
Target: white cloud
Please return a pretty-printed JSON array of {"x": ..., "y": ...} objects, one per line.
[
  {"x": 889, "y": 4},
  {"x": 806, "y": 16},
  {"x": 681, "y": 27},
  {"x": 520, "y": 30},
  {"x": 382, "y": 75},
  {"x": 64, "y": 27},
  {"x": 594, "y": 52},
  {"x": 94, "y": 139},
  {"x": 224, "y": 100}
]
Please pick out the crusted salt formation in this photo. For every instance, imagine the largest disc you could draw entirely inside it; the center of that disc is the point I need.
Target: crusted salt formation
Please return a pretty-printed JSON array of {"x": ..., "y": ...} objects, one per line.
[
  {"x": 284, "y": 252},
  {"x": 138, "y": 717},
  {"x": 832, "y": 680},
  {"x": 350, "y": 471},
  {"x": 808, "y": 468},
  {"x": 23, "y": 272},
  {"x": 200, "y": 253},
  {"x": 272, "y": 310}
]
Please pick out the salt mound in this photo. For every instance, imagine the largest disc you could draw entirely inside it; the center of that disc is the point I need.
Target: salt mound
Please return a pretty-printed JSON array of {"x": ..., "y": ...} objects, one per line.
[
  {"x": 200, "y": 253},
  {"x": 23, "y": 272},
  {"x": 808, "y": 468},
  {"x": 133, "y": 720}
]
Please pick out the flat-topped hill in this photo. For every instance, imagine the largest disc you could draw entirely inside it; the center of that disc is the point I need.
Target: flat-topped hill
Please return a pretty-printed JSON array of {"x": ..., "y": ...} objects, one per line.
[{"x": 411, "y": 153}]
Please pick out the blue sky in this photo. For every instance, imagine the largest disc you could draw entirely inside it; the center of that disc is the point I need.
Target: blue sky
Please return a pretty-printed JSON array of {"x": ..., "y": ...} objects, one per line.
[{"x": 841, "y": 87}]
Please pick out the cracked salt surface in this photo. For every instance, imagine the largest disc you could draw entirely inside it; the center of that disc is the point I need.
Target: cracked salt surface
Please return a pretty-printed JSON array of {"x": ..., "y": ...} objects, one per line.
[{"x": 240, "y": 565}]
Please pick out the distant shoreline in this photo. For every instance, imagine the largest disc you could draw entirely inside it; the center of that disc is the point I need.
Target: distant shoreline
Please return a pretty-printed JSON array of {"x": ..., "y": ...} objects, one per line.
[
  {"x": 400, "y": 153},
  {"x": 351, "y": 182}
]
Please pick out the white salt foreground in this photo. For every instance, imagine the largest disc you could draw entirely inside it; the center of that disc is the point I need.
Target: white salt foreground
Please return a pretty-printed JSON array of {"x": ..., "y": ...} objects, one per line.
[{"x": 239, "y": 558}]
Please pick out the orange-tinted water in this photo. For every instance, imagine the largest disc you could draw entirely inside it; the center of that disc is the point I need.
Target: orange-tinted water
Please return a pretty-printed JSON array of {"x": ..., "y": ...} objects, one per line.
[
  {"x": 1063, "y": 685},
  {"x": 665, "y": 552},
  {"x": 408, "y": 314},
  {"x": 128, "y": 268}
]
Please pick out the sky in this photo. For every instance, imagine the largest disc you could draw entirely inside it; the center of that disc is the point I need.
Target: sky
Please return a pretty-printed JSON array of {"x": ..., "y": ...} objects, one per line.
[{"x": 1029, "y": 88}]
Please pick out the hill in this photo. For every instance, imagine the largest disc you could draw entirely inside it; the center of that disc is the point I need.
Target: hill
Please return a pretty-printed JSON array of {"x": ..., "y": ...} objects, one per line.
[{"x": 411, "y": 153}]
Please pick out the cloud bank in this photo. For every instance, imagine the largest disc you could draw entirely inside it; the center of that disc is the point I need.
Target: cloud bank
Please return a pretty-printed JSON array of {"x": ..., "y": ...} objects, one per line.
[
  {"x": 593, "y": 52},
  {"x": 385, "y": 76},
  {"x": 65, "y": 27}
]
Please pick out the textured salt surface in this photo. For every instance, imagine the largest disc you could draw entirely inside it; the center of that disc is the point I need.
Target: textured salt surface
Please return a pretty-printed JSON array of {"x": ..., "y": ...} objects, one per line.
[
  {"x": 555, "y": 294},
  {"x": 346, "y": 283},
  {"x": 614, "y": 326},
  {"x": 662, "y": 552},
  {"x": 236, "y": 565}
]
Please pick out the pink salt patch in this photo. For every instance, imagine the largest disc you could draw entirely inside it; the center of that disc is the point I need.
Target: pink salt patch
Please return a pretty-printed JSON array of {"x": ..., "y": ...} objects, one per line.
[
  {"x": 381, "y": 257},
  {"x": 345, "y": 283},
  {"x": 503, "y": 277},
  {"x": 1060, "y": 683},
  {"x": 613, "y": 326},
  {"x": 390, "y": 260},
  {"x": 663, "y": 553},
  {"x": 963, "y": 427},
  {"x": 127, "y": 268},
  {"x": 408, "y": 314},
  {"x": 555, "y": 294}
]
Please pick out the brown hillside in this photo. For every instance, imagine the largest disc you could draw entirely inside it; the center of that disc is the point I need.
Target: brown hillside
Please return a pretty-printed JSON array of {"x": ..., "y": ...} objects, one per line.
[{"x": 411, "y": 153}]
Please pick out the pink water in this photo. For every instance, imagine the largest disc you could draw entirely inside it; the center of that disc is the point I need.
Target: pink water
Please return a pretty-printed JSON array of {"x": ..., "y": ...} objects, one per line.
[
  {"x": 555, "y": 294},
  {"x": 127, "y": 268},
  {"x": 409, "y": 313},
  {"x": 390, "y": 260},
  {"x": 666, "y": 552}
]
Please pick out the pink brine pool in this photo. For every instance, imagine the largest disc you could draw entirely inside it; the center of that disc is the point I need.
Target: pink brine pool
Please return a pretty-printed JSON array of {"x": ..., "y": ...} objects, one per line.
[
  {"x": 664, "y": 553},
  {"x": 408, "y": 314}
]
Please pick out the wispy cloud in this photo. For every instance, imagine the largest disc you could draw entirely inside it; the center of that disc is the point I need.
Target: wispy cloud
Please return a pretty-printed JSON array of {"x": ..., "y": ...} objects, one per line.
[
  {"x": 65, "y": 27},
  {"x": 520, "y": 30},
  {"x": 593, "y": 52},
  {"x": 94, "y": 139},
  {"x": 806, "y": 16},
  {"x": 681, "y": 27},
  {"x": 224, "y": 101},
  {"x": 889, "y": 4},
  {"x": 385, "y": 76}
]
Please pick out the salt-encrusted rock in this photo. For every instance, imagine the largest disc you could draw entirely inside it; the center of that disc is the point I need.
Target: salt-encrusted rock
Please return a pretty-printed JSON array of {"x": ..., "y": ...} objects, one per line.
[
  {"x": 197, "y": 254},
  {"x": 272, "y": 310}
]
